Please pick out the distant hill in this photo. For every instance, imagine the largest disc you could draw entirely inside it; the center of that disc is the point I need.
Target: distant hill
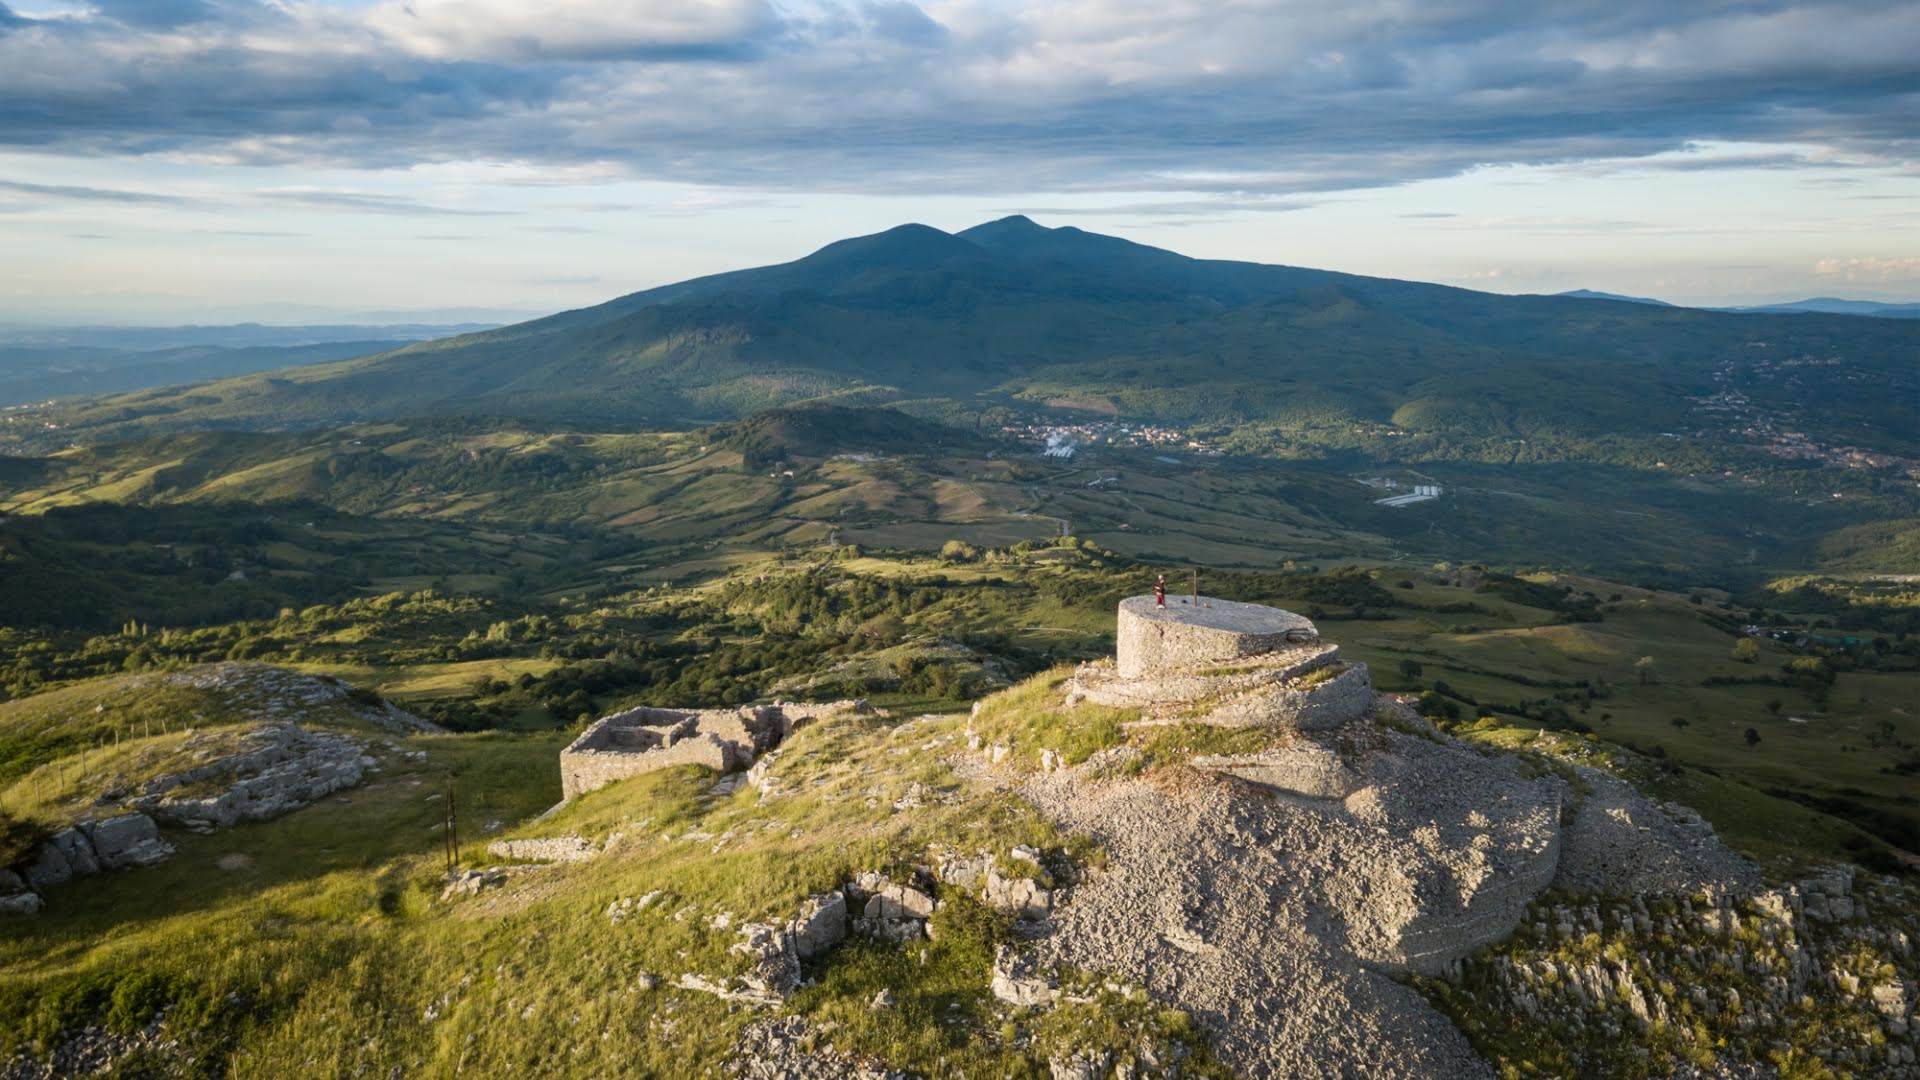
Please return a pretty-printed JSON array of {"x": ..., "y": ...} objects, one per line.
[
  {"x": 1594, "y": 294},
  {"x": 1014, "y": 316},
  {"x": 1818, "y": 305},
  {"x": 1828, "y": 305},
  {"x": 38, "y": 363}
]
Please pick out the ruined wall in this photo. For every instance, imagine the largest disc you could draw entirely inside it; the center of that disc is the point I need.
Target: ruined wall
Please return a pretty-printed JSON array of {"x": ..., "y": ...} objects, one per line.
[
  {"x": 647, "y": 739},
  {"x": 1188, "y": 634},
  {"x": 589, "y": 768}
]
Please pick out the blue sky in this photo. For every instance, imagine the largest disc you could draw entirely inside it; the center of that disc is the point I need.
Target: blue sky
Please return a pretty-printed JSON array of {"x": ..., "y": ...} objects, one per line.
[{"x": 293, "y": 160}]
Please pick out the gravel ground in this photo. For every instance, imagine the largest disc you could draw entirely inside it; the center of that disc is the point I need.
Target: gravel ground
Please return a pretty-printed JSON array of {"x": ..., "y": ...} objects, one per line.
[
  {"x": 1623, "y": 842},
  {"x": 1276, "y": 919}
]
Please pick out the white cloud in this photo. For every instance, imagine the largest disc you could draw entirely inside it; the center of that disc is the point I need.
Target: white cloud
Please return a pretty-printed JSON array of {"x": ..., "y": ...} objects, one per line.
[
  {"x": 1869, "y": 269},
  {"x": 566, "y": 29}
]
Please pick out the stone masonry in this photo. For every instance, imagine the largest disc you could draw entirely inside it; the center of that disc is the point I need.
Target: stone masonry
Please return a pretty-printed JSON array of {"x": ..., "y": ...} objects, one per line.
[
  {"x": 646, "y": 739},
  {"x": 1195, "y": 632},
  {"x": 1225, "y": 663}
]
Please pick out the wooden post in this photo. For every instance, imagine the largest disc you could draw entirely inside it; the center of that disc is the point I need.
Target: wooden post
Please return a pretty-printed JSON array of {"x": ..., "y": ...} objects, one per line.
[{"x": 453, "y": 827}]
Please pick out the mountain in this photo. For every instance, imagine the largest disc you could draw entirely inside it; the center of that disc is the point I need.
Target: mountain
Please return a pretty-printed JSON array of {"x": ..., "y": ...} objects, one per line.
[
  {"x": 1821, "y": 305},
  {"x": 1594, "y": 294},
  {"x": 1830, "y": 305},
  {"x": 1013, "y": 315}
]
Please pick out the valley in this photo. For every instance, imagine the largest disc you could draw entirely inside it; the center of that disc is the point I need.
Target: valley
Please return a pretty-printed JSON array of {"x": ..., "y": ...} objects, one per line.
[{"x": 325, "y": 631}]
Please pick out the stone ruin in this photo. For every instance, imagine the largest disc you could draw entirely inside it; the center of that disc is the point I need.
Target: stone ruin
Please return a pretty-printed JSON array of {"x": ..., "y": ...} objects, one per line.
[
  {"x": 646, "y": 739},
  {"x": 1223, "y": 662}
]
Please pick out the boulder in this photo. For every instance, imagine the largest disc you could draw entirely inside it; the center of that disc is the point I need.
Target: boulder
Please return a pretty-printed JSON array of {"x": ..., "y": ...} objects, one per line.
[
  {"x": 821, "y": 924},
  {"x": 128, "y": 840},
  {"x": 66, "y": 855},
  {"x": 20, "y": 903}
]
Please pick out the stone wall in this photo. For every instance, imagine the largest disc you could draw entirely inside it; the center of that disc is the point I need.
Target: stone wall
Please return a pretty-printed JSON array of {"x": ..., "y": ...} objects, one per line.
[
  {"x": 1192, "y": 633},
  {"x": 644, "y": 740}
]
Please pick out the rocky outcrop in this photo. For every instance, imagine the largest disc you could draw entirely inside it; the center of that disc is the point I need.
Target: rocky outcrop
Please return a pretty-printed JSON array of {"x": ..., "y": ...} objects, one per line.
[
  {"x": 1272, "y": 920},
  {"x": 1814, "y": 972},
  {"x": 276, "y": 694},
  {"x": 890, "y": 910},
  {"x": 820, "y": 925},
  {"x": 85, "y": 849},
  {"x": 276, "y": 768},
  {"x": 284, "y": 768}
]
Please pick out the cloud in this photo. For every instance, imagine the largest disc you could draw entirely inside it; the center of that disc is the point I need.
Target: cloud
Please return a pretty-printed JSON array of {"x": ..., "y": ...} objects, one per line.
[
  {"x": 1870, "y": 269},
  {"x": 156, "y": 14},
  {"x": 1172, "y": 208},
  {"x": 72, "y": 193},
  {"x": 367, "y": 203},
  {"x": 574, "y": 29},
  {"x": 1261, "y": 99}
]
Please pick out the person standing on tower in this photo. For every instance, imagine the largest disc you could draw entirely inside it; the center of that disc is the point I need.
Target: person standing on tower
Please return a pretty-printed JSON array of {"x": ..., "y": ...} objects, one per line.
[{"x": 1160, "y": 592}]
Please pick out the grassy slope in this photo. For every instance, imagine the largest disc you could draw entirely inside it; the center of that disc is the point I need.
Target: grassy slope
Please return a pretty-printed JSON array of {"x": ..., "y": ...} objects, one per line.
[{"x": 323, "y": 924}]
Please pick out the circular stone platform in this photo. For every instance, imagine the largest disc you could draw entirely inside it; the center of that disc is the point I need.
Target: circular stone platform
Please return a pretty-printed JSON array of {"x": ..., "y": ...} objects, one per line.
[{"x": 1191, "y": 633}]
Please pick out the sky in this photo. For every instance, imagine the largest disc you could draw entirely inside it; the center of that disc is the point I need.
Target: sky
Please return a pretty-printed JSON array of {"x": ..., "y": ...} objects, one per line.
[{"x": 166, "y": 161}]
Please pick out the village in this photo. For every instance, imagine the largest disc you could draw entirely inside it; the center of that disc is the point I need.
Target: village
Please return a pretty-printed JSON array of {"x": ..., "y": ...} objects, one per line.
[{"x": 1063, "y": 441}]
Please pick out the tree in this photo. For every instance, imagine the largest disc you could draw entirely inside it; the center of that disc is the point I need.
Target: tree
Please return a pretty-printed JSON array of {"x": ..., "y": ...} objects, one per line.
[
  {"x": 1746, "y": 650},
  {"x": 1411, "y": 669},
  {"x": 1643, "y": 669},
  {"x": 958, "y": 551},
  {"x": 1753, "y": 738}
]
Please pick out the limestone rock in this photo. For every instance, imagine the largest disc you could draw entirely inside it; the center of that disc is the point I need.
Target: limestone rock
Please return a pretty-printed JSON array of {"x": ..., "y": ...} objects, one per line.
[
  {"x": 470, "y": 882},
  {"x": 776, "y": 963},
  {"x": 1019, "y": 980},
  {"x": 128, "y": 840},
  {"x": 821, "y": 924},
  {"x": 1022, "y": 896},
  {"x": 284, "y": 768}
]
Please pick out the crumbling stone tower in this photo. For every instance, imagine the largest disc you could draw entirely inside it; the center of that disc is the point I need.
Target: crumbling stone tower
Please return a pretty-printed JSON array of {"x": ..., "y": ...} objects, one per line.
[{"x": 1201, "y": 658}]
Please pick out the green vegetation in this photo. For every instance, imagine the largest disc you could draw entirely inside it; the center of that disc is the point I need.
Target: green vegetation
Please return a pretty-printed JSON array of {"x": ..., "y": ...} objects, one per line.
[{"x": 820, "y": 481}]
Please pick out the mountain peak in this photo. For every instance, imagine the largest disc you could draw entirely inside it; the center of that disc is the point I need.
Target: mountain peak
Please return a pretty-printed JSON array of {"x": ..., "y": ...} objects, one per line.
[{"x": 1012, "y": 229}]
